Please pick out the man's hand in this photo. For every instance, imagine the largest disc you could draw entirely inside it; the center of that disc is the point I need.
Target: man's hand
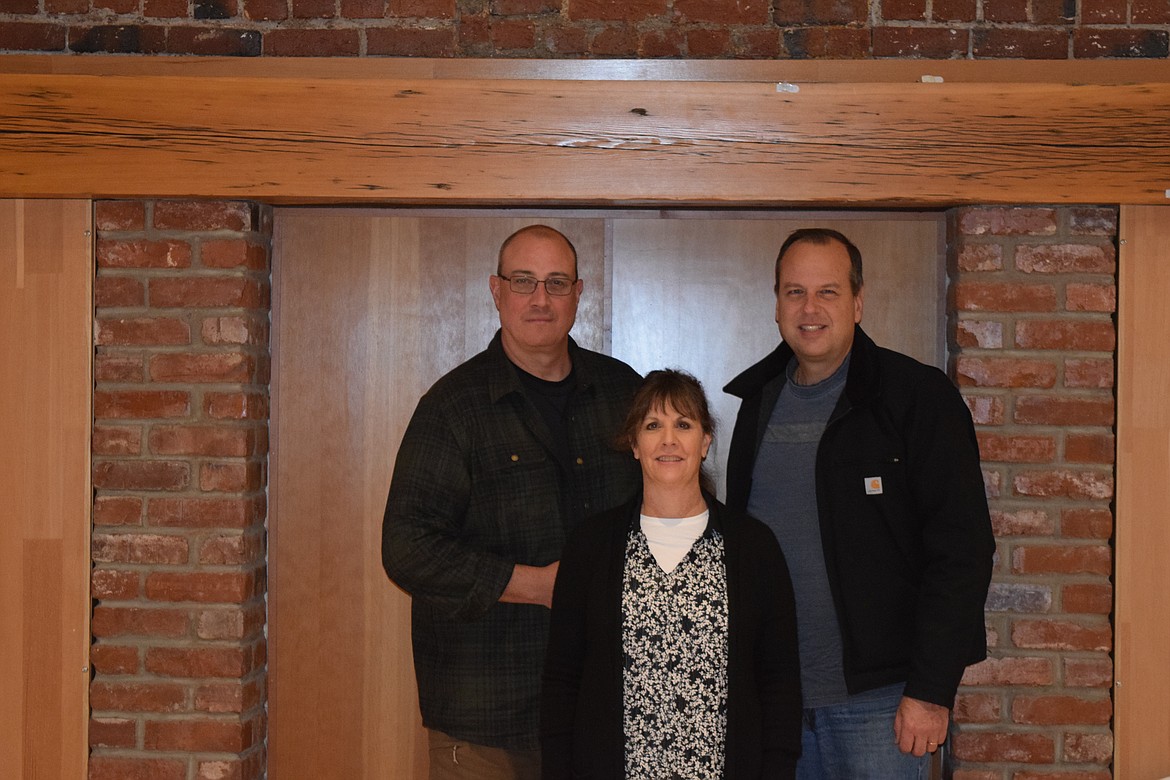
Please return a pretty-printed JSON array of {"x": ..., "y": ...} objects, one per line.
[
  {"x": 920, "y": 727},
  {"x": 531, "y": 584}
]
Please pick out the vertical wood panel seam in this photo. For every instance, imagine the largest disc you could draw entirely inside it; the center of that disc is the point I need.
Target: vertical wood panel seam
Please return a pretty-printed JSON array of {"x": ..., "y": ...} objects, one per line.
[{"x": 19, "y": 244}]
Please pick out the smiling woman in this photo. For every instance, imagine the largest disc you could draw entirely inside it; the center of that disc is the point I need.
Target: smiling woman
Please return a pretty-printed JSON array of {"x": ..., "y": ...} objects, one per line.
[
  {"x": 697, "y": 598},
  {"x": 671, "y": 446},
  {"x": 669, "y": 429}
]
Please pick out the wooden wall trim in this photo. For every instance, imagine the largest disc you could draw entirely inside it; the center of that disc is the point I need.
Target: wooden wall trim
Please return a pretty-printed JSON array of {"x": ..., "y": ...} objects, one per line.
[
  {"x": 1142, "y": 577},
  {"x": 46, "y": 394},
  {"x": 448, "y": 141}
]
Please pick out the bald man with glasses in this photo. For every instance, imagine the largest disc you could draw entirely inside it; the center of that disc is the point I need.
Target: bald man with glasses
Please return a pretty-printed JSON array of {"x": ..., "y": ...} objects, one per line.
[{"x": 503, "y": 457}]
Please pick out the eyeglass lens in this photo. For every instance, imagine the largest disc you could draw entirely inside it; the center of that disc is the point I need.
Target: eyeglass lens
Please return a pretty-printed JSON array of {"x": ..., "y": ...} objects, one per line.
[{"x": 526, "y": 285}]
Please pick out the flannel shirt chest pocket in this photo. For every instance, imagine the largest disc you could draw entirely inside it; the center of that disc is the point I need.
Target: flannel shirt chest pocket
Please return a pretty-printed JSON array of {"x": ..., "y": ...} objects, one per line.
[{"x": 516, "y": 495}]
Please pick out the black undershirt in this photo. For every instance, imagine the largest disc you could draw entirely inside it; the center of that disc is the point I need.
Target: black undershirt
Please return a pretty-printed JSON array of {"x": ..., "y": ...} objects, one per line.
[{"x": 551, "y": 399}]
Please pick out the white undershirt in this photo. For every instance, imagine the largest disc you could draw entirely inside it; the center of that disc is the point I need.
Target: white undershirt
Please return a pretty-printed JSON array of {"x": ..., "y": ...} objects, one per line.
[{"x": 671, "y": 538}]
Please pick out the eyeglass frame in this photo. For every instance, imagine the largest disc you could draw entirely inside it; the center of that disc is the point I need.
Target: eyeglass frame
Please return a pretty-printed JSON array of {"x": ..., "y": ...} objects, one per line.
[{"x": 568, "y": 284}]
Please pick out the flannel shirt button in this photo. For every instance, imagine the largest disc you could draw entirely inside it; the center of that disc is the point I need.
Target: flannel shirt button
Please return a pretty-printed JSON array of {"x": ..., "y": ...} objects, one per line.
[
  {"x": 580, "y": 461},
  {"x": 515, "y": 458}
]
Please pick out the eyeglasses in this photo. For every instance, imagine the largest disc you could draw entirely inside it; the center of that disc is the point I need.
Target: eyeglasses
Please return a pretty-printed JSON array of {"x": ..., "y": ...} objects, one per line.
[{"x": 526, "y": 285}]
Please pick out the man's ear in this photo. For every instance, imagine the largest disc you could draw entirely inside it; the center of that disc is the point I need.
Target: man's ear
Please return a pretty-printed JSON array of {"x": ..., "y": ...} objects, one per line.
[{"x": 494, "y": 283}]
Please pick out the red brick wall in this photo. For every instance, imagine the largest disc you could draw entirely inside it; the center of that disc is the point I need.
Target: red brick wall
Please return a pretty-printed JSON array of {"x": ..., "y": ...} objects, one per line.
[
  {"x": 180, "y": 448},
  {"x": 1033, "y": 295},
  {"x": 752, "y": 29}
]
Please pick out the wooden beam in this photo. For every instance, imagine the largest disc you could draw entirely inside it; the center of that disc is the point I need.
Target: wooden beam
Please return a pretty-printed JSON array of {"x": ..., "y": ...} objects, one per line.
[
  {"x": 795, "y": 71},
  {"x": 515, "y": 141}
]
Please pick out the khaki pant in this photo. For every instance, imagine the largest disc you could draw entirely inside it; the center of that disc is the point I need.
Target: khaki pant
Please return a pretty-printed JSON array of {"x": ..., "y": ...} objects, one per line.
[{"x": 457, "y": 759}]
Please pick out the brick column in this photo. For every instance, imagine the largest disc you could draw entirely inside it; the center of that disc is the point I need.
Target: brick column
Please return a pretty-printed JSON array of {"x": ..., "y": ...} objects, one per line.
[
  {"x": 1033, "y": 295},
  {"x": 180, "y": 468}
]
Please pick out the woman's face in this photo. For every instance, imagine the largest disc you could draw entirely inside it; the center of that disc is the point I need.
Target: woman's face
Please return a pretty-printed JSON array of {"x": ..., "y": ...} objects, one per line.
[{"x": 670, "y": 447}]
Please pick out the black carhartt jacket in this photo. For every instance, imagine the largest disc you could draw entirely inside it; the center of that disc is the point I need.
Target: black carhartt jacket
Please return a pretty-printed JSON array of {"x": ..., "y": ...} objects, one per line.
[{"x": 904, "y": 521}]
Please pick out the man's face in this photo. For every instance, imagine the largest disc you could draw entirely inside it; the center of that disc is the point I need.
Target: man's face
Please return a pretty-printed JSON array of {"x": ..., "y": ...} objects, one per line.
[
  {"x": 537, "y": 321},
  {"x": 815, "y": 306}
]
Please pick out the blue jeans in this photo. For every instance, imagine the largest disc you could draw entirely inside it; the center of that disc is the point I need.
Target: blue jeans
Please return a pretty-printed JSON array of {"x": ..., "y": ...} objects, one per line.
[{"x": 855, "y": 741}]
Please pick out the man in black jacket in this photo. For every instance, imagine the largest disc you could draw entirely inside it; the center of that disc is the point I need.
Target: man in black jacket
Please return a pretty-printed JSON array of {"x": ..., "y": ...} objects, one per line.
[{"x": 865, "y": 464}]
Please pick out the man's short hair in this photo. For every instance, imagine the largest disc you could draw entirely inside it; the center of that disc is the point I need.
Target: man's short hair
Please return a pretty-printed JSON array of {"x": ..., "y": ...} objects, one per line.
[
  {"x": 543, "y": 231},
  {"x": 820, "y": 237}
]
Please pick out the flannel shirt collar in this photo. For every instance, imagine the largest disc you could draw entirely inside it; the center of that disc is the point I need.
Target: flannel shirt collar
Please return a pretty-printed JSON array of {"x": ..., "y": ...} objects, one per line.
[{"x": 502, "y": 379}]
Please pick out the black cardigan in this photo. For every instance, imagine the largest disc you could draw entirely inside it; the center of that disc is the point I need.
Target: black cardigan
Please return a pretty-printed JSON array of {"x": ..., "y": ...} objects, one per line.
[{"x": 581, "y": 703}]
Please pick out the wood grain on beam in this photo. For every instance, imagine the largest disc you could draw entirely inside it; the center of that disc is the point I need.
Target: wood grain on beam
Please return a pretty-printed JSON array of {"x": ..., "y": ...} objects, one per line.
[
  {"x": 443, "y": 141},
  {"x": 795, "y": 71}
]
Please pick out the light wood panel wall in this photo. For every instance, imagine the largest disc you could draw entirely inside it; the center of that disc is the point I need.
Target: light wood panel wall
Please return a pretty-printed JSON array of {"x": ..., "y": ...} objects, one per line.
[
  {"x": 369, "y": 311},
  {"x": 371, "y": 308},
  {"x": 46, "y": 349},
  {"x": 1142, "y": 541}
]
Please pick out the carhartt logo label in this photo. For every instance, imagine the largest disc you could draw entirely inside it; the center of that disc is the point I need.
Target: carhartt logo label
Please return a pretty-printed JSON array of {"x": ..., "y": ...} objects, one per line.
[{"x": 873, "y": 486}]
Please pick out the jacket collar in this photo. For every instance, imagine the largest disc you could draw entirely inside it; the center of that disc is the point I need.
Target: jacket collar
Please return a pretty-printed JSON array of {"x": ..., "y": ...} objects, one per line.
[
  {"x": 502, "y": 379},
  {"x": 862, "y": 382}
]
